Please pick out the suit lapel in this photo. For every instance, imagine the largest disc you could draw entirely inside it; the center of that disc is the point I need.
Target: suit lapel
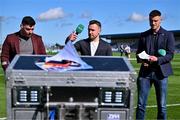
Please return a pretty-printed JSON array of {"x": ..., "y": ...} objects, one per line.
[
  {"x": 98, "y": 48},
  {"x": 148, "y": 43},
  {"x": 33, "y": 44},
  {"x": 88, "y": 47},
  {"x": 161, "y": 41},
  {"x": 16, "y": 44}
]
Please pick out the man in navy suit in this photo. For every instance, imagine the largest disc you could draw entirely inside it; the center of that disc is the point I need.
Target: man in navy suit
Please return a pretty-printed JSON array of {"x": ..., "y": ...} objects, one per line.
[
  {"x": 159, "y": 44},
  {"x": 93, "y": 45}
]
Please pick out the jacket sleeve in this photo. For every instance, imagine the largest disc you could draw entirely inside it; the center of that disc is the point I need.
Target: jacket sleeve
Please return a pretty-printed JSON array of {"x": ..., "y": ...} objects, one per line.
[
  {"x": 141, "y": 42},
  {"x": 5, "y": 54},
  {"x": 170, "y": 41},
  {"x": 109, "y": 51},
  {"x": 42, "y": 49},
  {"x": 38, "y": 45}
]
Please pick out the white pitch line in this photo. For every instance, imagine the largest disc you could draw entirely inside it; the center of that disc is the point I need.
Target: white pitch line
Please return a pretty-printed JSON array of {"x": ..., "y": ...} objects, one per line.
[
  {"x": 1, "y": 74},
  {"x": 131, "y": 58},
  {"x": 3, "y": 118},
  {"x": 168, "y": 105}
]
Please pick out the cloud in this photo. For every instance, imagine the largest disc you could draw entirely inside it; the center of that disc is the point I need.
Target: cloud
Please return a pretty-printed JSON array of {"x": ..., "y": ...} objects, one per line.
[
  {"x": 136, "y": 17},
  {"x": 164, "y": 17},
  {"x": 66, "y": 24},
  {"x": 52, "y": 14},
  {"x": 86, "y": 15},
  {"x": 4, "y": 19}
]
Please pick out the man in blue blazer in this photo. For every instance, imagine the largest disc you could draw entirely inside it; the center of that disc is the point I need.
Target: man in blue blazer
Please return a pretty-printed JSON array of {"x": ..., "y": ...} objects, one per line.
[
  {"x": 93, "y": 45},
  {"x": 159, "y": 45}
]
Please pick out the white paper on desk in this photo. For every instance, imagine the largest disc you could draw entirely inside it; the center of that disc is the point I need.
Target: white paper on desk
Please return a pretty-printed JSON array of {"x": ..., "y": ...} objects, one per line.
[
  {"x": 67, "y": 53},
  {"x": 143, "y": 55}
]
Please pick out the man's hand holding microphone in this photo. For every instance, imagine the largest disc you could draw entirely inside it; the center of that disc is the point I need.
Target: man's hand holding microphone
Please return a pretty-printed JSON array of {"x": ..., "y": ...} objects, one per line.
[{"x": 73, "y": 35}]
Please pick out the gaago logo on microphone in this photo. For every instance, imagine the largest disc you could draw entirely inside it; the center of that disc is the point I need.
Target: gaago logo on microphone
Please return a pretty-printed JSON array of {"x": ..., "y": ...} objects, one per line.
[{"x": 79, "y": 29}]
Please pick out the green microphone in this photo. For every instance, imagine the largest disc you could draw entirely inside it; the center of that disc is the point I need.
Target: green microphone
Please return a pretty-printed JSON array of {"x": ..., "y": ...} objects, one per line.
[
  {"x": 162, "y": 52},
  {"x": 79, "y": 29}
]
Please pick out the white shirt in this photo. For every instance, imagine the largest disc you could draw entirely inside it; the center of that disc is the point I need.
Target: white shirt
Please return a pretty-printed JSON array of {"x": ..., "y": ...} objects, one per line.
[
  {"x": 94, "y": 46},
  {"x": 127, "y": 49}
]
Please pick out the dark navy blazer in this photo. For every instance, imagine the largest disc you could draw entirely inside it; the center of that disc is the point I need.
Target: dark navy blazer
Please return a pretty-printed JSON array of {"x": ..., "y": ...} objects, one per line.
[
  {"x": 83, "y": 46},
  {"x": 165, "y": 41}
]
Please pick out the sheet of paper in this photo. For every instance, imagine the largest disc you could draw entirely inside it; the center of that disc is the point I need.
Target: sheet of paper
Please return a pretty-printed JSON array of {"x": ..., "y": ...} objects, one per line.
[
  {"x": 143, "y": 55},
  {"x": 67, "y": 53}
]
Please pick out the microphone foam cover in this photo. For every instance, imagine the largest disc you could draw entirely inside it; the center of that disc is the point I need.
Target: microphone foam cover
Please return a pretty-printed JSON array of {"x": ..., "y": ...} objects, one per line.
[
  {"x": 162, "y": 52},
  {"x": 79, "y": 29}
]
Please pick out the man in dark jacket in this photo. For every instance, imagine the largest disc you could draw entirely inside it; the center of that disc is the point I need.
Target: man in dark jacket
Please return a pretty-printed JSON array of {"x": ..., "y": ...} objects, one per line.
[
  {"x": 22, "y": 42},
  {"x": 159, "y": 45},
  {"x": 93, "y": 45}
]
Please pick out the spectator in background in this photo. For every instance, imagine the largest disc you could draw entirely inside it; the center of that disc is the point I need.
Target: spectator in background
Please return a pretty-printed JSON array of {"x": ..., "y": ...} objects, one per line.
[
  {"x": 22, "y": 42},
  {"x": 121, "y": 49},
  {"x": 127, "y": 50},
  {"x": 157, "y": 68},
  {"x": 93, "y": 45}
]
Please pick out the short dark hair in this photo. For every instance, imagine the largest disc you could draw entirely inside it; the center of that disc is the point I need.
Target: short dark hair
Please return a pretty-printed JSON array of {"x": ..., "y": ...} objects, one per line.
[
  {"x": 28, "y": 20},
  {"x": 95, "y": 22},
  {"x": 154, "y": 13}
]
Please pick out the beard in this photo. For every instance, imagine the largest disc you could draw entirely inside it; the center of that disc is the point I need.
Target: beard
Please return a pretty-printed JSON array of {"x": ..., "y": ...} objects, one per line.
[
  {"x": 29, "y": 35},
  {"x": 92, "y": 37}
]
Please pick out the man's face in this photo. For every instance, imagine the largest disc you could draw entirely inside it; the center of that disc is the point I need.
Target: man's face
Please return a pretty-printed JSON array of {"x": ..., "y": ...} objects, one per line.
[
  {"x": 155, "y": 22},
  {"x": 27, "y": 30},
  {"x": 93, "y": 31}
]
